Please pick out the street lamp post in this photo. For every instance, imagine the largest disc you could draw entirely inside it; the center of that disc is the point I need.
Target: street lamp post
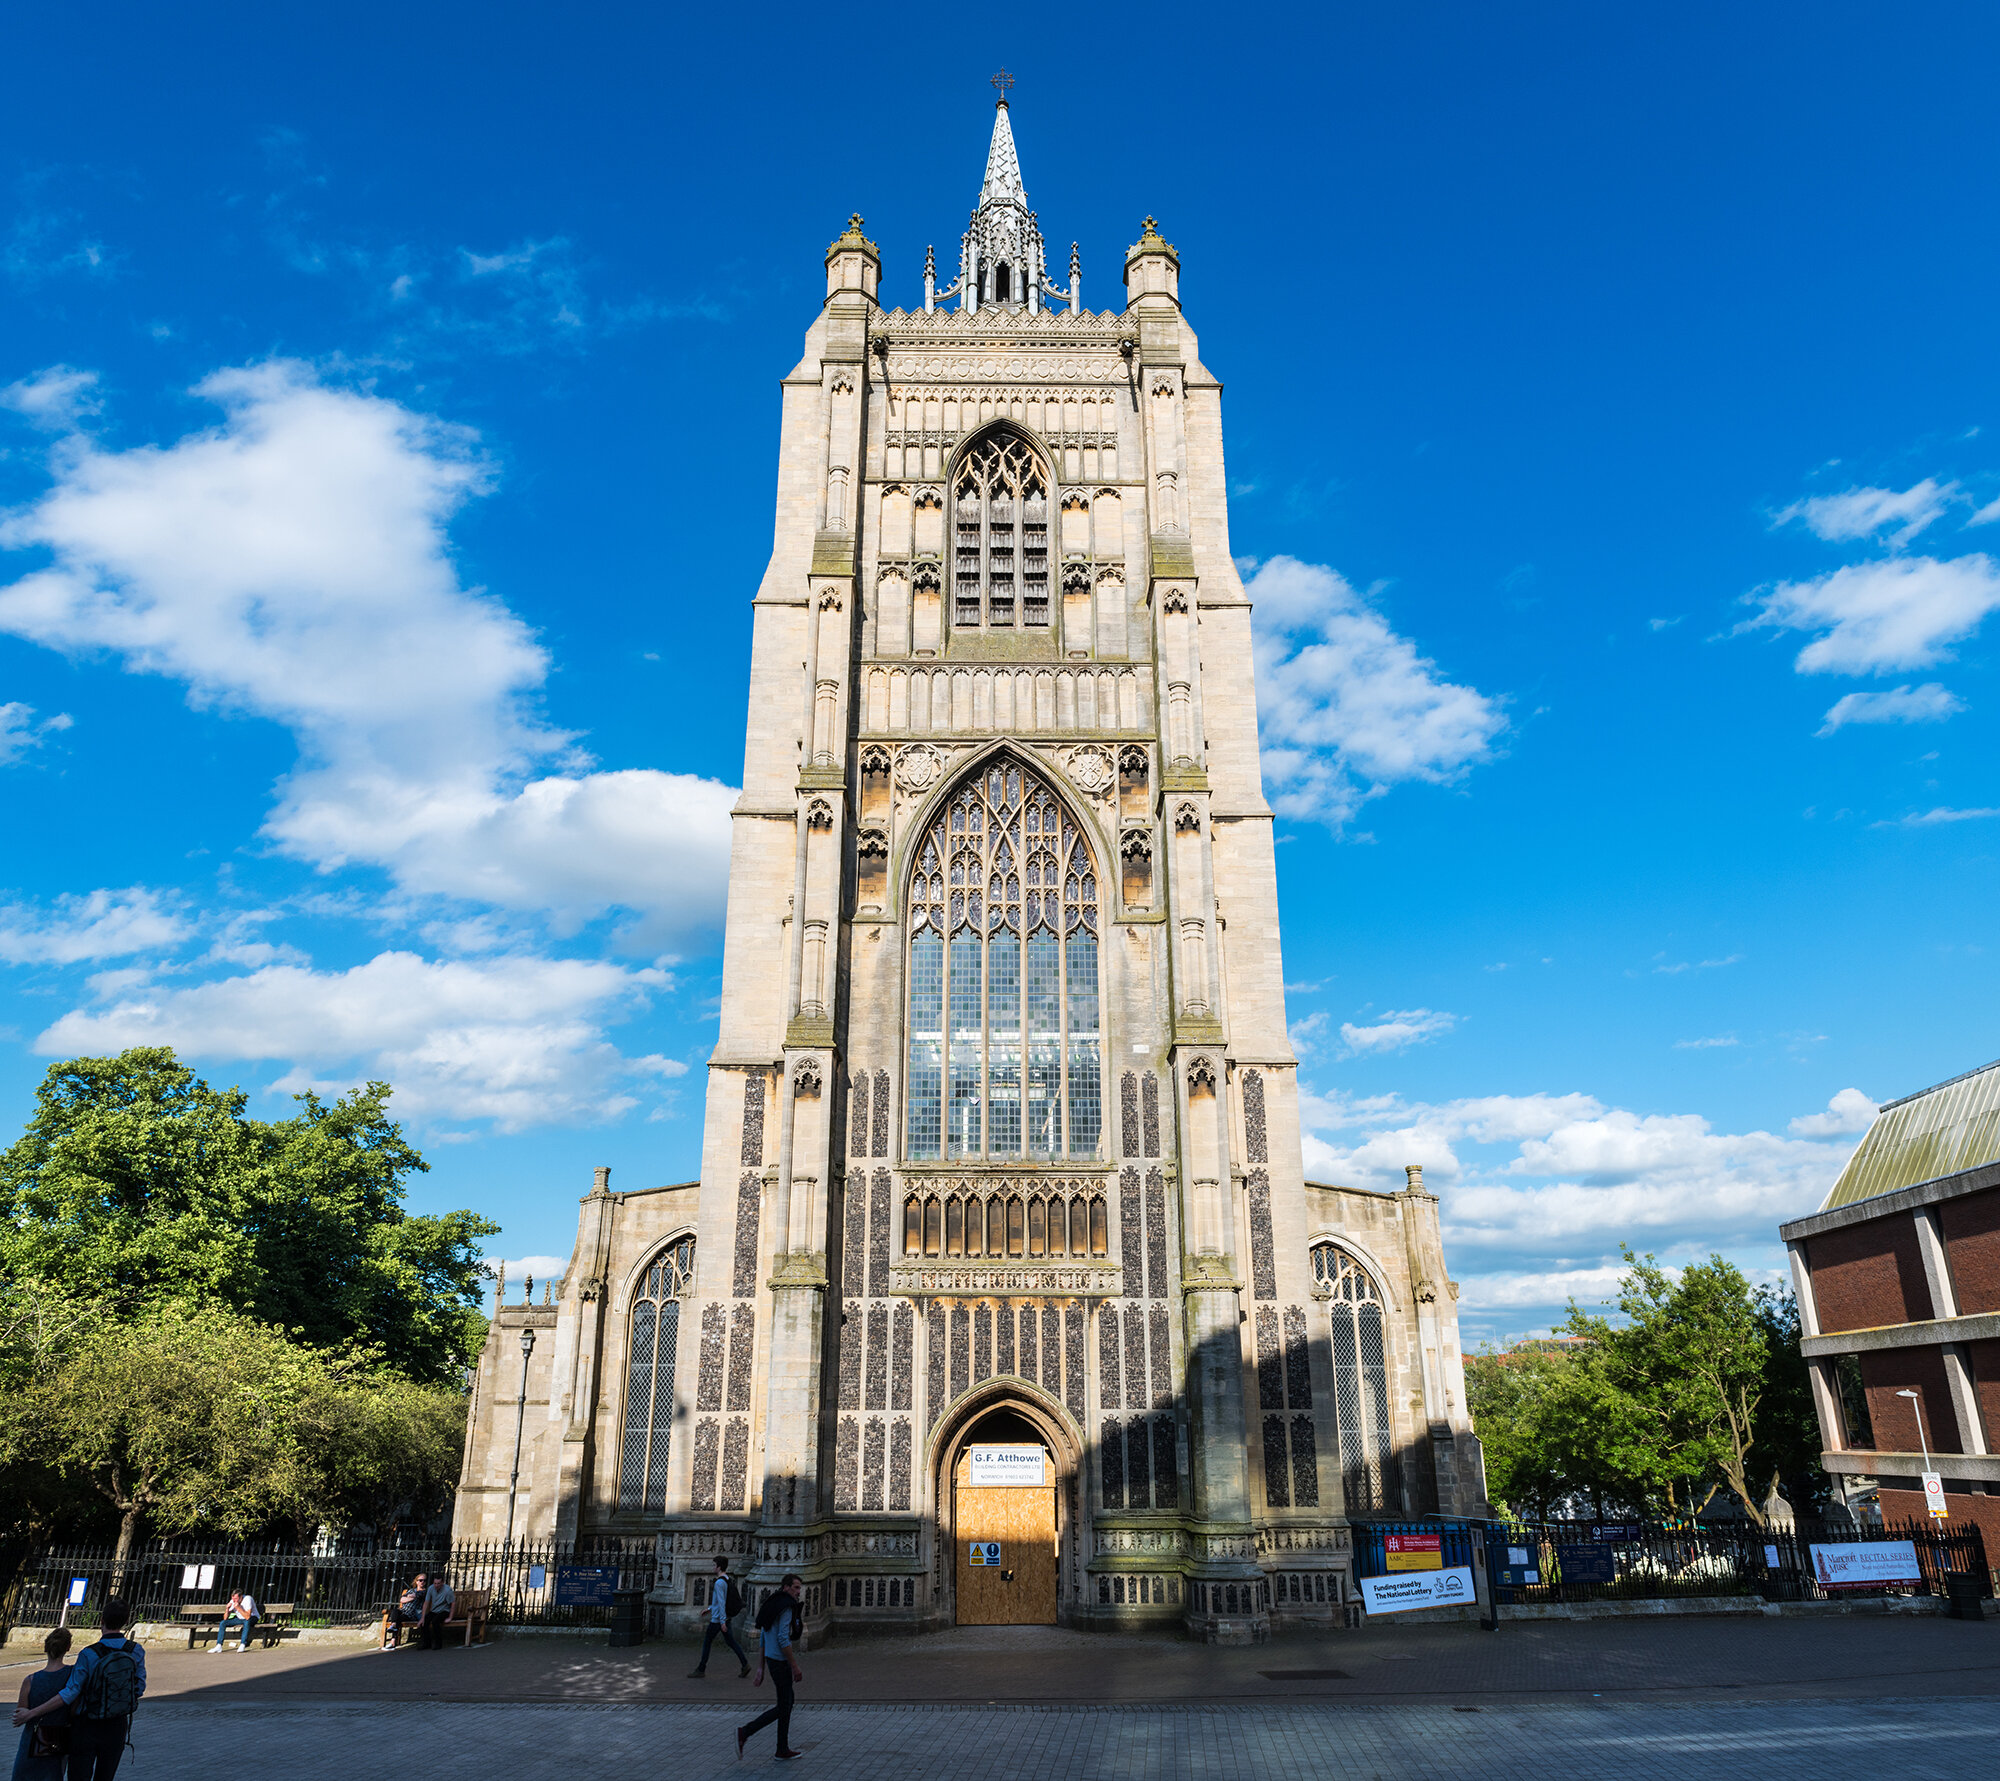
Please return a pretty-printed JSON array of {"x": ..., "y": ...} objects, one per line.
[{"x": 1922, "y": 1441}]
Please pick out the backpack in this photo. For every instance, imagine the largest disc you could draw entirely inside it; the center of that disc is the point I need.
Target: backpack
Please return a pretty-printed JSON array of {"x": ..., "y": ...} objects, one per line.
[
  {"x": 733, "y": 1602},
  {"x": 112, "y": 1689}
]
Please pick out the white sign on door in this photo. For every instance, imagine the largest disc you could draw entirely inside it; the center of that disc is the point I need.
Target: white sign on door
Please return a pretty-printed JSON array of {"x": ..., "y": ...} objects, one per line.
[
  {"x": 983, "y": 1552},
  {"x": 1005, "y": 1466},
  {"x": 1934, "y": 1493}
]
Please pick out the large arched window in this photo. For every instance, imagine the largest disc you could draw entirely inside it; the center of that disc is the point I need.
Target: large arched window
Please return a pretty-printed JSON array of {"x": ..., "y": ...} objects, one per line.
[
  {"x": 1003, "y": 1009},
  {"x": 649, "y": 1377},
  {"x": 1360, "y": 1379},
  {"x": 1000, "y": 501}
]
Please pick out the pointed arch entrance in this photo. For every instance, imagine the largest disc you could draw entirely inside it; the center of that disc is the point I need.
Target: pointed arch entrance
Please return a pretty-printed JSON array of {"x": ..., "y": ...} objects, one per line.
[{"x": 1008, "y": 1546}]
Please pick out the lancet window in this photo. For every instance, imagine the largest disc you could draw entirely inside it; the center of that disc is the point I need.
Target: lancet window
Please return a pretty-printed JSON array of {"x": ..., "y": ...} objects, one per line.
[
  {"x": 1004, "y": 1032},
  {"x": 649, "y": 1377},
  {"x": 1360, "y": 1379},
  {"x": 1000, "y": 503},
  {"x": 1029, "y": 1224}
]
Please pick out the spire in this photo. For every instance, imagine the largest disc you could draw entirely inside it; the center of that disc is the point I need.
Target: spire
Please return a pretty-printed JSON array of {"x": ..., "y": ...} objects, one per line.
[
  {"x": 1003, "y": 166},
  {"x": 1000, "y": 258}
]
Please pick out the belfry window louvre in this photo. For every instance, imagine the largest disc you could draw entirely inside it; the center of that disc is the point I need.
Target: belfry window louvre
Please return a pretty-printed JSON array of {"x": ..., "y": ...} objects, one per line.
[
  {"x": 1004, "y": 1036},
  {"x": 1001, "y": 536},
  {"x": 1360, "y": 1380},
  {"x": 649, "y": 1377}
]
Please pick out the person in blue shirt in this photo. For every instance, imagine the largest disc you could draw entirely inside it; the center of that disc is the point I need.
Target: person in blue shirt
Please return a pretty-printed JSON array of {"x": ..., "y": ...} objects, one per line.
[
  {"x": 718, "y": 1621},
  {"x": 44, "y": 1684},
  {"x": 777, "y": 1624},
  {"x": 105, "y": 1684}
]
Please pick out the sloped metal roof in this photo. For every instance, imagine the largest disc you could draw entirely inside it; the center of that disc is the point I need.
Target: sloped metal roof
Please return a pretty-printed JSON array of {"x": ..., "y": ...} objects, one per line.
[{"x": 1940, "y": 1131}]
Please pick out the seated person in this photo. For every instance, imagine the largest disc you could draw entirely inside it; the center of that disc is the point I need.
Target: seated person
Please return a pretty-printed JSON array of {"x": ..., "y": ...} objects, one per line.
[
  {"x": 407, "y": 1611},
  {"x": 240, "y": 1615}
]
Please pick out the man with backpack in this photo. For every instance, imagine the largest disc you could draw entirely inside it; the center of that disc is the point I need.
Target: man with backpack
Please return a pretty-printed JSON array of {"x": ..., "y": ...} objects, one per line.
[
  {"x": 105, "y": 1685},
  {"x": 725, "y": 1602}
]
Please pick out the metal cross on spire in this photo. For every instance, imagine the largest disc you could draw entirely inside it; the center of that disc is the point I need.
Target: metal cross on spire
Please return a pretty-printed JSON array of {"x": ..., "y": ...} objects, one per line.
[{"x": 1001, "y": 82}]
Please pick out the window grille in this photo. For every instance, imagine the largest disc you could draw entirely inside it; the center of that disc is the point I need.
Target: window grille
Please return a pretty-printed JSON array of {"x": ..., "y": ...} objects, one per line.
[
  {"x": 1004, "y": 1040},
  {"x": 649, "y": 1378},
  {"x": 1360, "y": 1379},
  {"x": 1001, "y": 531}
]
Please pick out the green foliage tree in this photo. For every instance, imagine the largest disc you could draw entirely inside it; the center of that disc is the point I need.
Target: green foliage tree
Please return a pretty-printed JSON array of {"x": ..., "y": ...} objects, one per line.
[
  {"x": 136, "y": 1184},
  {"x": 1698, "y": 1382}
]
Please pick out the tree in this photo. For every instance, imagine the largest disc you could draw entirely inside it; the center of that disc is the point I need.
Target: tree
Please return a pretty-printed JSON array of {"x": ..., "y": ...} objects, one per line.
[
  {"x": 138, "y": 1185},
  {"x": 1692, "y": 1356}
]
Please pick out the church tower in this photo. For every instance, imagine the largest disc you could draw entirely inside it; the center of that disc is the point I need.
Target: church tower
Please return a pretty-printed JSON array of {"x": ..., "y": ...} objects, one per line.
[{"x": 1002, "y": 1295}]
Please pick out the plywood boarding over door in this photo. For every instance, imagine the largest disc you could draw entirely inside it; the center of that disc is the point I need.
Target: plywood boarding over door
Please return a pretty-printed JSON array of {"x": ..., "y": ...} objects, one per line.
[{"x": 1023, "y": 1520}]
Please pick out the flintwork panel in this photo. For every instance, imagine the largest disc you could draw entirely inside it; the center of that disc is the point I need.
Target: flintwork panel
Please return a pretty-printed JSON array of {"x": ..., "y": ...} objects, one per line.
[{"x": 743, "y": 1262}]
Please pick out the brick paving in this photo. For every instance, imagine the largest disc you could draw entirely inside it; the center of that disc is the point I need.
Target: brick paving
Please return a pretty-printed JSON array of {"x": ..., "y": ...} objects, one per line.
[{"x": 184, "y": 1740}]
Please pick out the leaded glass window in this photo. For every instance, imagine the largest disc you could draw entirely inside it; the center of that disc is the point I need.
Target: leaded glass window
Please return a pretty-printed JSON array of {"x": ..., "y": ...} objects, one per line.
[
  {"x": 1005, "y": 1045},
  {"x": 1000, "y": 574},
  {"x": 649, "y": 1377},
  {"x": 1360, "y": 1379}
]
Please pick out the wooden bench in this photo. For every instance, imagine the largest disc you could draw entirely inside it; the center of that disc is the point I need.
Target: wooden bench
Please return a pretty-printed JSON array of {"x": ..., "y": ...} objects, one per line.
[
  {"x": 205, "y": 1619},
  {"x": 468, "y": 1610}
]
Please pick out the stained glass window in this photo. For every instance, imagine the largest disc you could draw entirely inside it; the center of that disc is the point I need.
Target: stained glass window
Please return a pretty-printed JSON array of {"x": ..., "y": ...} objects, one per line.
[
  {"x": 649, "y": 1378},
  {"x": 1004, "y": 1034},
  {"x": 1360, "y": 1380}
]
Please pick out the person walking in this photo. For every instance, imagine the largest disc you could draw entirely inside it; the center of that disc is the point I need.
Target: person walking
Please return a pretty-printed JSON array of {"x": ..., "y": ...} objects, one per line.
[
  {"x": 725, "y": 1602},
  {"x": 439, "y": 1600},
  {"x": 105, "y": 1685},
  {"x": 778, "y": 1622},
  {"x": 45, "y": 1744}
]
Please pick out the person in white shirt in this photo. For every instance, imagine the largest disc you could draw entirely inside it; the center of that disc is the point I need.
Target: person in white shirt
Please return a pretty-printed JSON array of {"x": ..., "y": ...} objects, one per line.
[
  {"x": 719, "y": 1615},
  {"x": 241, "y": 1615}
]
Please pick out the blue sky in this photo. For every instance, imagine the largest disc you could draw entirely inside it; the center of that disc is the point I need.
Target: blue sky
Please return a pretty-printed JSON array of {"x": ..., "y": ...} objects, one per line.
[{"x": 1614, "y": 439}]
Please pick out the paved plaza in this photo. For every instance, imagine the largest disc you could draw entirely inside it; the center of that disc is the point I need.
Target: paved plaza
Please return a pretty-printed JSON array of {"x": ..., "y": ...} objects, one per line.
[
  {"x": 1775, "y": 1740},
  {"x": 1684, "y": 1697}
]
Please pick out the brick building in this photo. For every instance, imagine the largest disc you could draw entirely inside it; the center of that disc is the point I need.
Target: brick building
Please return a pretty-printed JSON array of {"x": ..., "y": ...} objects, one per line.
[{"x": 1898, "y": 1281}]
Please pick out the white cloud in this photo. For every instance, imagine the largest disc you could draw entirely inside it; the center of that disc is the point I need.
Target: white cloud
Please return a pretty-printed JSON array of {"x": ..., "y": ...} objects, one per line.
[
  {"x": 1847, "y": 1113},
  {"x": 1679, "y": 965},
  {"x": 1941, "y": 814},
  {"x": 1396, "y": 1030},
  {"x": 1346, "y": 707},
  {"x": 19, "y": 732},
  {"x": 293, "y": 564},
  {"x": 1719, "y": 1042},
  {"x": 56, "y": 398},
  {"x": 515, "y": 1040},
  {"x": 1864, "y": 512},
  {"x": 1581, "y": 1177},
  {"x": 105, "y": 924},
  {"x": 1878, "y": 617},
  {"x": 1306, "y": 1033},
  {"x": 1500, "y": 1291},
  {"x": 1926, "y": 704},
  {"x": 542, "y": 1269}
]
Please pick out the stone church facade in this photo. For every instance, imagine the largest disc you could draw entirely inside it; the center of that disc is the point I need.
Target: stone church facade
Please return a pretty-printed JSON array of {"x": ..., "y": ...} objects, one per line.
[{"x": 1002, "y": 1134}]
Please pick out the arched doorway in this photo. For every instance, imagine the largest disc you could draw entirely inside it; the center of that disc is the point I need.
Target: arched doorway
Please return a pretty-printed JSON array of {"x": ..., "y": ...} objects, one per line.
[{"x": 1003, "y": 1480}]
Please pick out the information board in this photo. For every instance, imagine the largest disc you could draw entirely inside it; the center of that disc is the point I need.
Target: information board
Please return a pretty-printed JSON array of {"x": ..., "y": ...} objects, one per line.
[
  {"x": 1405, "y": 1590},
  {"x": 983, "y": 1552},
  {"x": 1858, "y": 1563},
  {"x": 585, "y": 1586},
  {"x": 1591, "y": 1562},
  {"x": 1413, "y": 1552},
  {"x": 1001, "y": 1467},
  {"x": 1611, "y": 1532}
]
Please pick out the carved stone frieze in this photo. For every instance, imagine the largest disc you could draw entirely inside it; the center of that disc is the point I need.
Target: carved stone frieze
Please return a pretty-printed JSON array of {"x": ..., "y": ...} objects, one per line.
[{"x": 974, "y": 1278}]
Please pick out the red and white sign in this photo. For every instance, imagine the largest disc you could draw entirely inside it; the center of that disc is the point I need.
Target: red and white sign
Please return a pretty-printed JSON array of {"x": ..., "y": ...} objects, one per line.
[
  {"x": 1934, "y": 1495},
  {"x": 1860, "y": 1563}
]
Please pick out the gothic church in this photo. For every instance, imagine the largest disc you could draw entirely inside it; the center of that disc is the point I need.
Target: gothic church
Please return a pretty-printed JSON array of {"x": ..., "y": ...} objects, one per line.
[{"x": 1002, "y": 1153}]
